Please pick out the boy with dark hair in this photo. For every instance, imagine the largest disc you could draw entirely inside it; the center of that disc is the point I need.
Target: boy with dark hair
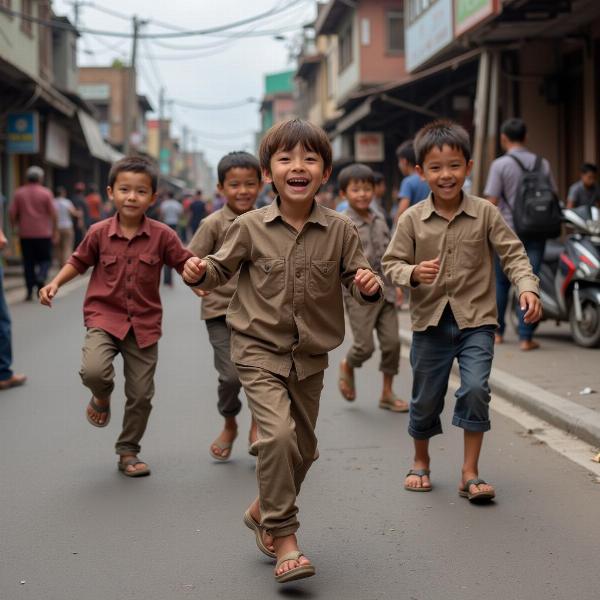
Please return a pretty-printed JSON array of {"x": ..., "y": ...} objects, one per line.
[
  {"x": 286, "y": 315},
  {"x": 586, "y": 191},
  {"x": 412, "y": 188},
  {"x": 356, "y": 184},
  {"x": 122, "y": 308},
  {"x": 240, "y": 183},
  {"x": 443, "y": 248}
]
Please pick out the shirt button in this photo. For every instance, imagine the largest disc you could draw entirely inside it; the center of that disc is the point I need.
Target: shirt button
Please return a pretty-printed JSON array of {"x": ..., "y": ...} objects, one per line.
[
  {"x": 449, "y": 251},
  {"x": 128, "y": 261},
  {"x": 298, "y": 274}
]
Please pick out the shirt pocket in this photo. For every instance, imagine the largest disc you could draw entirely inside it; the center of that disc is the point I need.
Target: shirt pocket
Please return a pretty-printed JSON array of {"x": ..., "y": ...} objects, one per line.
[
  {"x": 149, "y": 268},
  {"x": 323, "y": 278},
  {"x": 269, "y": 276},
  {"x": 471, "y": 253},
  {"x": 109, "y": 267}
]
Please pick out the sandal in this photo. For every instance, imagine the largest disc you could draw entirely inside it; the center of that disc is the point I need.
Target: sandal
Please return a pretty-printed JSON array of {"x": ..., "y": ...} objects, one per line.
[
  {"x": 479, "y": 497},
  {"x": 293, "y": 574},
  {"x": 390, "y": 403},
  {"x": 349, "y": 392},
  {"x": 98, "y": 409},
  {"x": 418, "y": 473},
  {"x": 250, "y": 523},
  {"x": 132, "y": 462},
  {"x": 221, "y": 446}
]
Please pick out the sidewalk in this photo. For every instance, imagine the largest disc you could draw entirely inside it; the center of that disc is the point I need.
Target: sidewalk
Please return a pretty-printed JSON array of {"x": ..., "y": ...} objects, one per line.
[{"x": 546, "y": 382}]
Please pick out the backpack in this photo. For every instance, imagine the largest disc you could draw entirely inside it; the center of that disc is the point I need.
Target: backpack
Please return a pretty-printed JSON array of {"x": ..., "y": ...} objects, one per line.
[{"x": 536, "y": 212}]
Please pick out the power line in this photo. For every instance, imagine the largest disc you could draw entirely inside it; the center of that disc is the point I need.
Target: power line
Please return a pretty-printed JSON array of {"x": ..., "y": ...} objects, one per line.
[{"x": 220, "y": 106}]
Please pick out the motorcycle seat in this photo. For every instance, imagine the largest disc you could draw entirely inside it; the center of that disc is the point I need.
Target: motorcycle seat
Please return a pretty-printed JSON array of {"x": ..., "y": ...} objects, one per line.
[{"x": 553, "y": 251}]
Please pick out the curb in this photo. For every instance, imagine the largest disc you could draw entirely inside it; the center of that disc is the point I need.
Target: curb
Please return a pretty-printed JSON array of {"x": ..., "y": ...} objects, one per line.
[{"x": 567, "y": 415}]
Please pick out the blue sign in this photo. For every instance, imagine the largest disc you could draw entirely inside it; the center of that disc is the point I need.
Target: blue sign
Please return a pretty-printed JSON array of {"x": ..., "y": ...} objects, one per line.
[{"x": 23, "y": 133}]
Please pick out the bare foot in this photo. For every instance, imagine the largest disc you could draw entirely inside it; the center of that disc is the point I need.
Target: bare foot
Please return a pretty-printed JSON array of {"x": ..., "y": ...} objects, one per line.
[
  {"x": 346, "y": 381},
  {"x": 98, "y": 417},
  {"x": 283, "y": 546},
  {"x": 418, "y": 481},
  {"x": 267, "y": 538},
  {"x": 226, "y": 437},
  {"x": 528, "y": 345}
]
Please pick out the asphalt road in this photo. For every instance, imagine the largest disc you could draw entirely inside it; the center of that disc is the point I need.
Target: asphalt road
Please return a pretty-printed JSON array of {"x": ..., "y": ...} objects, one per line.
[{"x": 73, "y": 528}]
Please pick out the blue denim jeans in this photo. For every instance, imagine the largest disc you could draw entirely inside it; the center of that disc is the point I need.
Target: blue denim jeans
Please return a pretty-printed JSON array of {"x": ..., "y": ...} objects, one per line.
[
  {"x": 431, "y": 356},
  {"x": 5, "y": 334},
  {"x": 535, "y": 252}
]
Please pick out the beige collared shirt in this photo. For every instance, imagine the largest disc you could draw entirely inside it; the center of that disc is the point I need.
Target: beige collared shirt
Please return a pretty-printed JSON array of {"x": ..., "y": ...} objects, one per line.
[
  {"x": 207, "y": 240},
  {"x": 375, "y": 237},
  {"x": 287, "y": 309},
  {"x": 466, "y": 245}
]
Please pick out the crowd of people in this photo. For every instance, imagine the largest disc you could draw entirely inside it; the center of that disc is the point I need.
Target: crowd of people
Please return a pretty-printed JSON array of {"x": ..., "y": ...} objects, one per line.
[{"x": 278, "y": 273}]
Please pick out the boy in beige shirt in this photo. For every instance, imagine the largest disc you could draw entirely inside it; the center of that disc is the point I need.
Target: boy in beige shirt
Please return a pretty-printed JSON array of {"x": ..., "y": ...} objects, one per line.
[
  {"x": 444, "y": 248},
  {"x": 240, "y": 183},
  {"x": 287, "y": 313}
]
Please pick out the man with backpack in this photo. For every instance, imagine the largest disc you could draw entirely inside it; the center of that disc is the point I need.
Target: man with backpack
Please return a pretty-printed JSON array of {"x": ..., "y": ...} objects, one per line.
[{"x": 521, "y": 185}]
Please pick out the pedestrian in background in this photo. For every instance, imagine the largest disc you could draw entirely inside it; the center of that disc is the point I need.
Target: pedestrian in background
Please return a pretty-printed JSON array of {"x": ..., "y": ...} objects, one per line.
[
  {"x": 444, "y": 249},
  {"x": 586, "y": 191},
  {"x": 65, "y": 214},
  {"x": 80, "y": 224},
  {"x": 378, "y": 203},
  {"x": 32, "y": 213},
  {"x": 197, "y": 211},
  {"x": 170, "y": 213},
  {"x": 94, "y": 204},
  {"x": 240, "y": 182},
  {"x": 357, "y": 184},
  {"x": 412, "y": 187},
  {"x": 501, "y": 189},
  {"x": 286, "y": 314},
  {"x": 122, "y": 308}
]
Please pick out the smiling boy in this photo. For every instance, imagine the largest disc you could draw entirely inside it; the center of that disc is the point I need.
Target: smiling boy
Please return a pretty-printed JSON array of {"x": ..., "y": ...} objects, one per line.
[
  {"x": 122, "y": 308},
  {"x": 287, "y": 313},
  {"x": 443, "y": 248}
]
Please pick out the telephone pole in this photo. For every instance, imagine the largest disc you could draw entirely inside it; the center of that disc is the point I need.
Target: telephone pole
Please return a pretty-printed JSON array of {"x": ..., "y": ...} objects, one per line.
[
  {"x": 161, "y": 135},
  {"x": 131, "y": 96}
]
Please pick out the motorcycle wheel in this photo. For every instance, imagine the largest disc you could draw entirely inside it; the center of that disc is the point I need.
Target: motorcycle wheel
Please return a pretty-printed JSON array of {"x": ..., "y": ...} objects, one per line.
[{"x": 586, "y": 332}]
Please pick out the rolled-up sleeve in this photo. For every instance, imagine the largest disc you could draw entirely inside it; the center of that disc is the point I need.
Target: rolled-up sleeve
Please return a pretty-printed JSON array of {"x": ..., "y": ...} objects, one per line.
[{"x": 399, "y": 258}]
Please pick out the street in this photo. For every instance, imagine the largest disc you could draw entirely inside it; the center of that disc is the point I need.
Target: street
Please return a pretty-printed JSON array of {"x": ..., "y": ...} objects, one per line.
[{"x": 73, "y": 528}]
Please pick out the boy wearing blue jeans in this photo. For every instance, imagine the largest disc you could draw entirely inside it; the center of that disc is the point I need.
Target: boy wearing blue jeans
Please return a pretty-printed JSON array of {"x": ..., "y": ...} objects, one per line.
[{"x": 443, "y": 248}]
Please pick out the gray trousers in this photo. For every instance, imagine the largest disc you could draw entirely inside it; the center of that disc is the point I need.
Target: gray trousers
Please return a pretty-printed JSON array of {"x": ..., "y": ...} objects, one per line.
[{"x": 219, "y": 335}]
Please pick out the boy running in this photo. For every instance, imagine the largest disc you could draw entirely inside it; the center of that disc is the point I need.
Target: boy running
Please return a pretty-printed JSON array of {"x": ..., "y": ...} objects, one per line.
[
  {"x": 122, "y": 308},
  {"x": 240, "y": 183},
  {"x": 286, "y": 315},
  {"x": 444, "y": 249},
  {"x": 357, "y": 185}
]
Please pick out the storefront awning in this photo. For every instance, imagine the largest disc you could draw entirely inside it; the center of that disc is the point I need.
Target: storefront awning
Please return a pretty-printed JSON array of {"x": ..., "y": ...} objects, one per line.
[{"x": 96, "y": 145}]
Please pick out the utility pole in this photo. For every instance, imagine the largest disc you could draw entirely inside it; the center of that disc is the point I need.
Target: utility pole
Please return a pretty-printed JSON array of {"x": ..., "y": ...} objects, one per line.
[
  {"x": 161, "y": 137},
  {"x": 131, "y": 99}
]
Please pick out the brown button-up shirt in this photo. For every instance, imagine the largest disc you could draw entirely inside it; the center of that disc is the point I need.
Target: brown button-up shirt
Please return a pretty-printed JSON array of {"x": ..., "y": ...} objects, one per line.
[
  {"x": 466, "y": 245},
  {"x": 375, "y": 236},
  {"x": 287, "y": 310},
  {"x": 123, "y": 289},
  {"x": 207, "y": 240}
]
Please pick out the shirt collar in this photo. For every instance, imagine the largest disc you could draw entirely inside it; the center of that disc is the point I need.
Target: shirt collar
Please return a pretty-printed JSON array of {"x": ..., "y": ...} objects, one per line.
[
  {"x": 317, "y": 213},
  {"x": 358, "y": 218},
  {"x": 467, "y": 206},
  {"x": 114, "y": 229},
  {"x": 228, "y": 213}
]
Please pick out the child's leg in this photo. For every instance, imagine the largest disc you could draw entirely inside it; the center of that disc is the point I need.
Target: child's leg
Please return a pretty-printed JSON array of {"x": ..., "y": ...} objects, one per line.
[
  {"x": 97, "y": 372},
  {"x": 229, "y": 404},
  {"x": 139, "y": 367}
]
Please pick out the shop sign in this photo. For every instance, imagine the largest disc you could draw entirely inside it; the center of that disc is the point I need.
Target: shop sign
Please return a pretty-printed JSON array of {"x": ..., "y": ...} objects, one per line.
[
  {"x": 369, "y": 147},
  {"x": 430, "y": 31},
  {"x": 23, "y": 133},
  {"x": 469, "y": 13},
  {"x": 57, "y": 145}
]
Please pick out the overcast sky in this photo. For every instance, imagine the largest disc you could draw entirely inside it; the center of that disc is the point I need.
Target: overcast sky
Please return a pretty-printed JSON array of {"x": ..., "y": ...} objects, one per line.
[{"x": 229, "y": 70}]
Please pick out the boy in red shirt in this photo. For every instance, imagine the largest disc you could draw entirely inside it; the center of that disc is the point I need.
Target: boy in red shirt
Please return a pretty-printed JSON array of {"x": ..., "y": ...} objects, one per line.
[{"x": 122, "y": 308}]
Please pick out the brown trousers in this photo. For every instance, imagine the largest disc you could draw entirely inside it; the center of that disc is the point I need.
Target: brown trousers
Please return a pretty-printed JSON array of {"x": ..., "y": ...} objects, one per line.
[
  {"x": 363, "y": 320},
  {"x": 285, "y": 411},
  {"x": 97, "y": 373}
]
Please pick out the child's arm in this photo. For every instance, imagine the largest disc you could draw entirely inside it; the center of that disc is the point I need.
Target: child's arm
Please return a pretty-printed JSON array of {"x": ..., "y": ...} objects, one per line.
[
  {"x": 398, "y": 262},
  {"x": 65, "y": 275}
]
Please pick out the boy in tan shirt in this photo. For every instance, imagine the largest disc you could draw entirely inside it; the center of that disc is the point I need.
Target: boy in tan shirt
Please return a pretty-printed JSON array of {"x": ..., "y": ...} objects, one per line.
[
  {"x": 240, "y": 183},
  {"x": 444, "y": 248},
  {"x": 286, "y": 315}
]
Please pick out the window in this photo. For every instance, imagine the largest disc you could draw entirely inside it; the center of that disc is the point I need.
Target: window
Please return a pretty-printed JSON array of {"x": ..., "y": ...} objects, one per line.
[
  {"x": 331, "y": 74},
  {"x": 6, "y": 4},
  {"x": 27, "y": 11},
  {"x": 395, "y": 31},
  {"x": 345, "y": 46},
  {"x": 417, "y": 7}
]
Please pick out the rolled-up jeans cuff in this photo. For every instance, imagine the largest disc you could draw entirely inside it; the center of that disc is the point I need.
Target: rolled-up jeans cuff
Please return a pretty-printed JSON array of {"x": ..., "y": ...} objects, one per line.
[
  {"x": 284, "y": 531},
  {"x": 471, "y": 425},
  {"x": 424, "y": 435}
]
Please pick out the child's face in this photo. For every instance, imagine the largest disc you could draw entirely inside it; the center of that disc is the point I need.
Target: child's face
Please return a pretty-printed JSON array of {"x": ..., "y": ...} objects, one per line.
[
  {"x": 589, "y": 179},
  {"x": 132, "y": 195},
  {"x": 379, "y": 189},
  {"x": 445, "y": 171},
  {"x": 359, "y": 195},
  {"x": 240, "y": 188},
  {"x": 404, "y": 166},
  {"x": 297, "y": 174}
]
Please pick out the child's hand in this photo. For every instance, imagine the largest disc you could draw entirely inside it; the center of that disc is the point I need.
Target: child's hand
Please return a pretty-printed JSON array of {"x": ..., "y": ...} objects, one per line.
[
  {"x": 194, "y": 269},
  {"x": 47, "y": 293},
  {"x": 531, "y": 306},
  {"x": 366, "y": 282},
  {"x": 200, "y": 293},
  {"x": 426, "y": 271}
]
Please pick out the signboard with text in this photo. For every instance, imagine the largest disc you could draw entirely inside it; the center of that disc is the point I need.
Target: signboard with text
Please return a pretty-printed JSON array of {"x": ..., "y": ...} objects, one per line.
[
  {"x": 369, "y": 147},
  {"x": 23, "y": 133},
  {"x": 469, "y": 13}
]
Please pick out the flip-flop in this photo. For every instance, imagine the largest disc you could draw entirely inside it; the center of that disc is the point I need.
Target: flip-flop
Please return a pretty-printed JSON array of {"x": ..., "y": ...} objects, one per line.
[
  {"x": 300, "y": 572},
  {"x": 478, "y": 497},
  {"x": 389, "y": 403},
  {"x": 348, "y": 380},
  {"x": 98, "y": 409},
  {"x": 418, "y": 473},
  {"x": 250, "y": 523},
  {"x": 221, "y": 446},
  {"x": 123, "y": 464}
]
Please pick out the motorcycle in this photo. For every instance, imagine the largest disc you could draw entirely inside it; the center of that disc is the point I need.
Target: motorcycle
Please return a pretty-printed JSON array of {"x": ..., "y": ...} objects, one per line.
[{"x": 570, "y": 277}]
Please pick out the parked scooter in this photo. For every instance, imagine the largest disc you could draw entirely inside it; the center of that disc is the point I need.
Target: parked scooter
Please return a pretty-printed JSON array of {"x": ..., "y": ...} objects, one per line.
[{"x": 570, "y": 277}]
